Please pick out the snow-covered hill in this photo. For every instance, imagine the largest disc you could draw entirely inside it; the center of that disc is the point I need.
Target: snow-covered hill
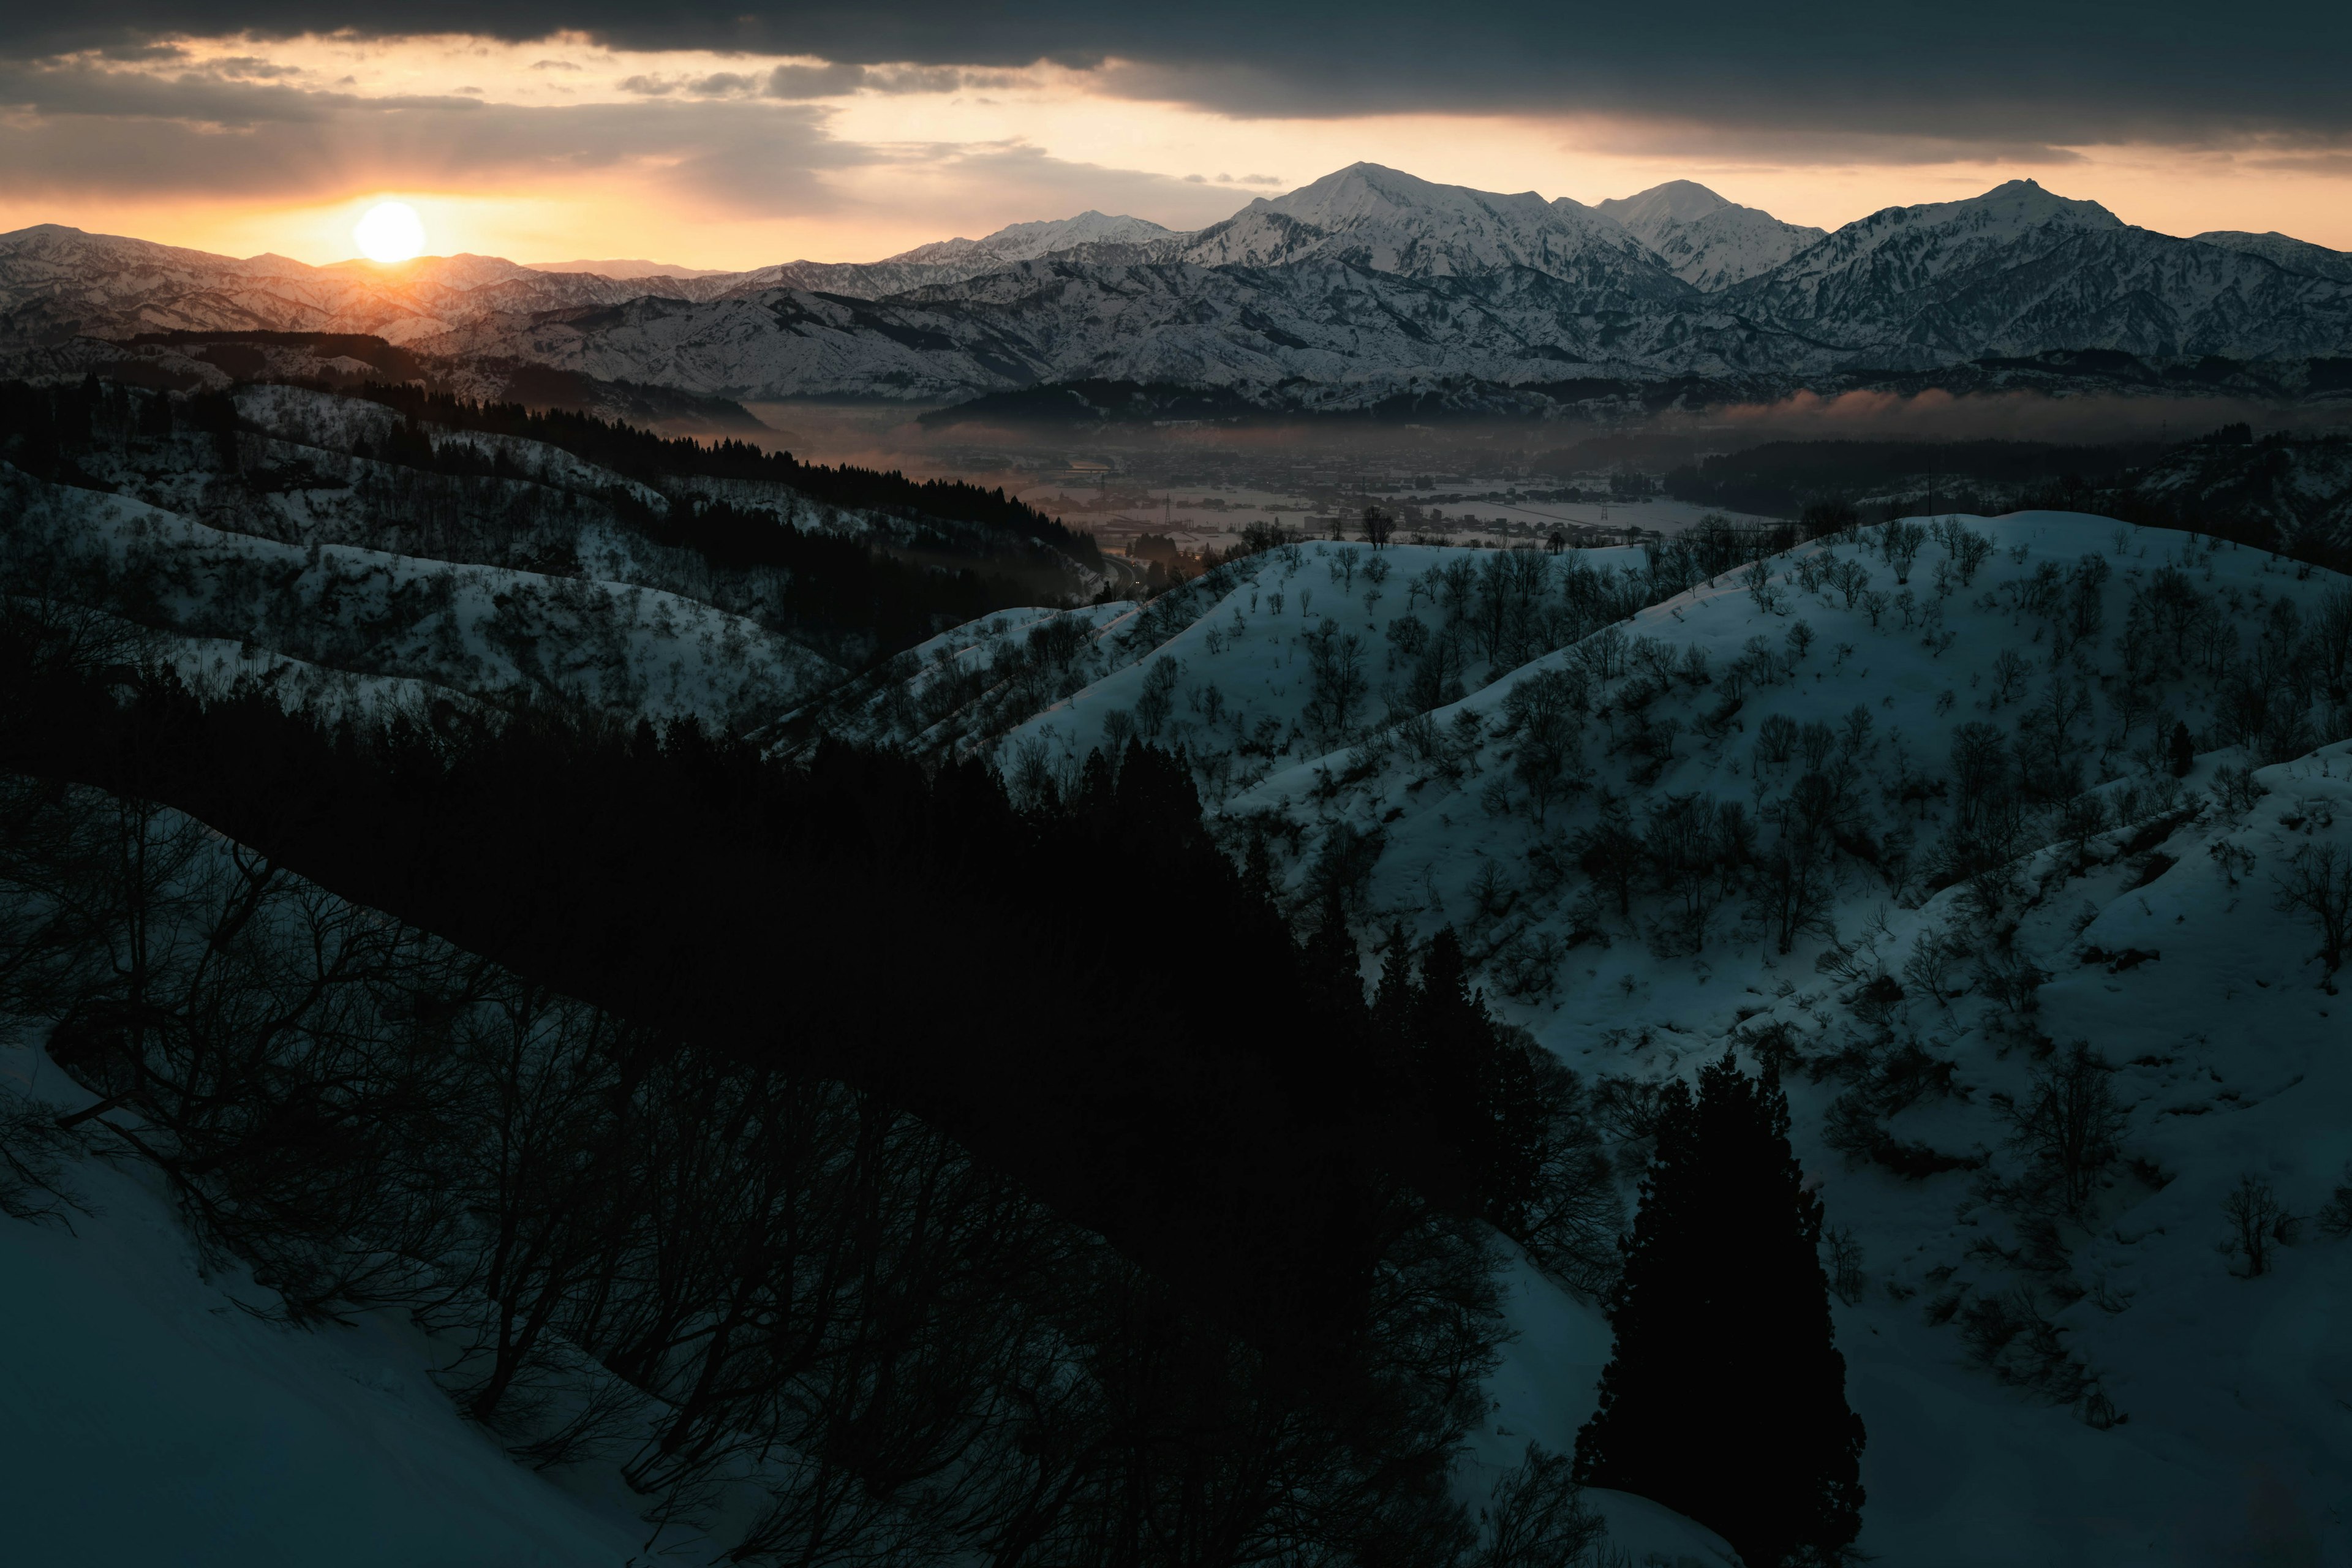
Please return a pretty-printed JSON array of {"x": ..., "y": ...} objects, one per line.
[
  {"x": 151, "y": 1414},
  {"x": 499, "y": 634},
  {"x": 1707, "y": 241},
  {"x": 1900, "y": 811}
]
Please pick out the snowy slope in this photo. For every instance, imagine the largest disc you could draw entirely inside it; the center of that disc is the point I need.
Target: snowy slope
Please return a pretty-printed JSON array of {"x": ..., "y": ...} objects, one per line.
[
  {"x": 2294, "y": 255},
  {"x": 2038, "y": 1389},
  {"x": 147, "y": 1416},
  {"x": 1028, "y": 241},
  {"x": 1708, "y": 242},
  {"x": 497, "y": 634}
]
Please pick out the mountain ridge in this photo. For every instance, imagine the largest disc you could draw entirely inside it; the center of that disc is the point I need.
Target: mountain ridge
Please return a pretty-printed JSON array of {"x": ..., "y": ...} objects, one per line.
[{"x": 1366, "y": 286}]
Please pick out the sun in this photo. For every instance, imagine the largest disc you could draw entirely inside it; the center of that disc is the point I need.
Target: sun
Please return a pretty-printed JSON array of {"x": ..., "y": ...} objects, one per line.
[{"x": 390, "y": 232}]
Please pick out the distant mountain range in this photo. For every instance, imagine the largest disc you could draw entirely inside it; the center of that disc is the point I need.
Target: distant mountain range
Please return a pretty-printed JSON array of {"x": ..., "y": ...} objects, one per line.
[{"x": 1369, "y": 288}]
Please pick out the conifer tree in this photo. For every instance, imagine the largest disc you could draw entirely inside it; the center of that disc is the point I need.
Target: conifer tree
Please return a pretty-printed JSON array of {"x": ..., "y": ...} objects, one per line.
[
  {"x": 1479, "y": 1090},
  {"x": 1725, "y": 1398}
]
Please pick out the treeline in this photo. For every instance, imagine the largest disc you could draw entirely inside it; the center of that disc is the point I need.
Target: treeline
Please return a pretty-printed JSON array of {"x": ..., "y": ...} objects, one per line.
[
  {"x": 836, "y": 582},
  {"x": 643, "y": 456},
  {"x": 2249, "y": 498},
  {"x": 44, "y": 429},
  {"x": 1777, "y": 478}
]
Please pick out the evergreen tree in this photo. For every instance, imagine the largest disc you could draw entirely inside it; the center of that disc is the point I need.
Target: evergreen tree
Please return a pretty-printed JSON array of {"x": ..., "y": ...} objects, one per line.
[
  {"x": 1478, "y": 1088},
  {"x": 1726, "y": 1397},
  {"x": 1331, "y": 970}
]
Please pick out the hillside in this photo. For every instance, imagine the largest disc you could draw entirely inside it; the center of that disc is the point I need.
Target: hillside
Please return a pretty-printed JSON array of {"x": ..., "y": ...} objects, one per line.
[
  {"x": 340, "y": 534},
  {"x": 1901, "y": 813}
]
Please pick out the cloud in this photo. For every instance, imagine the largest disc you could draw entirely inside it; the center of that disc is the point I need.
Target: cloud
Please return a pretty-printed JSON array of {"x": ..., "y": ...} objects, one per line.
[
  {"x": 803, "y": 82},
  {"x": 208, "y": 95},
  {"x": 88, "y": 133},
  {"x": 1990, "y": 75},
  {"x": 94, "y": 133}
]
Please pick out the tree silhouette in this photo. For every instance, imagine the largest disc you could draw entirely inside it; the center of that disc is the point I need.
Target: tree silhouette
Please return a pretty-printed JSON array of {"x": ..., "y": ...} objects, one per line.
[{"x": 1726, "y": 1397}]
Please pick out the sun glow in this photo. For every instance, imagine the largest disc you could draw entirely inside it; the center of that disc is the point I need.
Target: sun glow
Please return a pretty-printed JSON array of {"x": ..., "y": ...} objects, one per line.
[{"x": 390, "y": 232}]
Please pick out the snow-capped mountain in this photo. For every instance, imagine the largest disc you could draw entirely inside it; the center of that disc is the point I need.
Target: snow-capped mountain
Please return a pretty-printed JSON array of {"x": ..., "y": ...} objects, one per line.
[
  {"x": 1383, "y": 220},
  {"x": 632, "y": 267},
  {"x": 2019, "y": 271},
  {"x": 2294, "y": 254},
  {"x": 1707, "y": 241},
  {"x": 1367, "y": 285}
]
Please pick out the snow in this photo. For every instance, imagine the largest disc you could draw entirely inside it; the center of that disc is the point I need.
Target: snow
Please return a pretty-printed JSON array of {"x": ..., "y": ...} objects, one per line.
[
  {"x": 1366, "y": 285},
  {"x": 1390, "y": 221},
  {"x": 493, "y": 633},
  {"x": 1243, "y": 630},
  {"x": 1028, "y": 241},
  {"x": 2294, "y": 254},
  {"x": 148, "y": 1417},
  {"x": 1709, "y": 242}
]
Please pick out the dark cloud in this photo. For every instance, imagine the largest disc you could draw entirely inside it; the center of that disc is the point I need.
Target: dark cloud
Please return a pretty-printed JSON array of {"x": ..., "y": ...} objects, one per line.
[{"x": 2013, "y": 73}]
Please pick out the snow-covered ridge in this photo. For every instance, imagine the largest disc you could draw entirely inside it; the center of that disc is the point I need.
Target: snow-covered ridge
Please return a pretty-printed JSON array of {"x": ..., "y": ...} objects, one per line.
[
  {"x": 2294, "y": 255},
  {"x": 1028, "y": 241}
]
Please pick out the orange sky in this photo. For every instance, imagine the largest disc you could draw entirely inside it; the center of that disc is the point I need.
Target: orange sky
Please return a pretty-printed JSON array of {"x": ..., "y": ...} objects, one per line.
[{"x": 548, "y": 152}]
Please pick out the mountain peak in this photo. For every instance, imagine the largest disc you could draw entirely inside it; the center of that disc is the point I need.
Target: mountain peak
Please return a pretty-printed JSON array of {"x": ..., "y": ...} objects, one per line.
[
  {"x": 1707, "y": 240},
  {"x": 1681, "y": 201},
  {"x": 1385, "y": 220},
  {"x": 2026, "y": 202}
]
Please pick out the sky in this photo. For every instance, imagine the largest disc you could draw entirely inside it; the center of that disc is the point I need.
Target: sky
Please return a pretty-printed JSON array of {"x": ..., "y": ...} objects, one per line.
[{"x": 704, "y": 133}]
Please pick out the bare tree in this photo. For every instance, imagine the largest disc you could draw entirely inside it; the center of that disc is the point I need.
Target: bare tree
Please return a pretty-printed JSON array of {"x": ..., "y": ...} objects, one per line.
[
  {"x": 1536, "y": 1517},
  {"x": 2317, "y": 883},
  {"x": 1845, "y": 1251},
  {"x": 2257, "y": 1225},
  {"x": 2069, "y": 1125}
]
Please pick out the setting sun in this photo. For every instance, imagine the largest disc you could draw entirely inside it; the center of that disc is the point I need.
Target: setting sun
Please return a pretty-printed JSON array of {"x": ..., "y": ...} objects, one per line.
[{"x": 390, "y": 232}]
